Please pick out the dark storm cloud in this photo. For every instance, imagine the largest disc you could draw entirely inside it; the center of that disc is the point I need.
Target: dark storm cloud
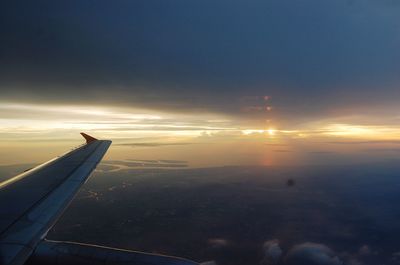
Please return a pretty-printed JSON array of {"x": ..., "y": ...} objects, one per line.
[{"x": 201, "y": 55}]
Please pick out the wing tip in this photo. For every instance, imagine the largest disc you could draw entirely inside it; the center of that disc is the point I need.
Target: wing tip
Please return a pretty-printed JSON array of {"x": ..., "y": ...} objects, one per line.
[{"x": 88, "y": 138}]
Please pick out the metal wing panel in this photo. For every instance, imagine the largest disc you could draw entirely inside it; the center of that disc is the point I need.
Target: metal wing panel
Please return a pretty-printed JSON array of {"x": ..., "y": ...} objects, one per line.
[
  {"x": 22, "y": 192},
  {"x": 46, "y": 192}
]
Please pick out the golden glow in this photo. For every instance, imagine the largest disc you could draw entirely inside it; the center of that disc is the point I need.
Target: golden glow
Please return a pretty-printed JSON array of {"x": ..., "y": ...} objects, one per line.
[
  {"x": 119, "y": 123},
  {"x": 362, "y": 131},
  {"x": 252, "y": 131},
  {"x": 65, "y": 121},
  {"x": 26, "y": 128},
  {"x": 271, "y": 132},
  {"x": 349, "y": 130}
]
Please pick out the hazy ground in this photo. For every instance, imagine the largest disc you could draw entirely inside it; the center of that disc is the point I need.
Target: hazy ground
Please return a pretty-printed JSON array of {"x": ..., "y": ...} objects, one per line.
[{"x": 240, "y": 215}]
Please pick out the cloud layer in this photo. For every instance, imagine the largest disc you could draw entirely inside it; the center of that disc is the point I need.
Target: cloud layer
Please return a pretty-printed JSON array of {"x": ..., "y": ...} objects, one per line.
[{"x": 310, "y": 56}]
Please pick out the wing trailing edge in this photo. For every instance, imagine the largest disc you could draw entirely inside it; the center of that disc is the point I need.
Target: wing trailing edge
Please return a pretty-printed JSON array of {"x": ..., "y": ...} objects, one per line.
[{"x": 67, "y": 253}]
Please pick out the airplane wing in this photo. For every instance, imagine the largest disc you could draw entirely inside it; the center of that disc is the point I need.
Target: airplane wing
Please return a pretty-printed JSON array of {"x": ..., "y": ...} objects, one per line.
[{"x": 31, "y": 203}]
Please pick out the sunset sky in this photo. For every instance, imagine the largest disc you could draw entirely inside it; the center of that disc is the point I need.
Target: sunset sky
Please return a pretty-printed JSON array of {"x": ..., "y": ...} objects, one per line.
[{"x": 211, "y": 82}]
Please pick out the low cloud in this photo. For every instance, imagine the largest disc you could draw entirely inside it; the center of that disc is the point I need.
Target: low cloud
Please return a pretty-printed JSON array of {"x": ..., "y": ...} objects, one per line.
[
  {"x": 321, "y": 152},
  {"x": 364, "y": 250},
  {"x": 218, "y": 242},
  {"x": 212, "y": 262},
  {"x": 395, "y": 150},
  {"x": 366, "y": 142},
  {"x": 312, "y": 254},
  {"x": 134, "y": 164},
  {"x": 395, "y": 258},
  {"x": 273, "y": 252},
  {"x": 283, "y": 151},
  {"x": 152, "y": 144}
]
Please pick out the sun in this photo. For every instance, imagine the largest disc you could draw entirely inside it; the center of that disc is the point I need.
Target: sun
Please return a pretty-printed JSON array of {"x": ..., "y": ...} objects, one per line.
[{"x": 271, "y": 132}]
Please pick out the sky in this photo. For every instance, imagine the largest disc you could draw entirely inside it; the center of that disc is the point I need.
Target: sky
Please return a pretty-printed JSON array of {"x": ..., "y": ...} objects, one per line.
[{"x": 252, "y": 82}]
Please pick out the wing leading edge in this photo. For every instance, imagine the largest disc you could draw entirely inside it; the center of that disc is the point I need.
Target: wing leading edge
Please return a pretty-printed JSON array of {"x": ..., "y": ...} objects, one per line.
[{"x": 31, "y": 202}]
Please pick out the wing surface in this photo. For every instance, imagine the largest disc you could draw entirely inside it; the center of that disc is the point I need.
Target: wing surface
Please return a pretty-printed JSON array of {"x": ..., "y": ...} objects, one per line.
[{"x": 31, "y": 202}]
